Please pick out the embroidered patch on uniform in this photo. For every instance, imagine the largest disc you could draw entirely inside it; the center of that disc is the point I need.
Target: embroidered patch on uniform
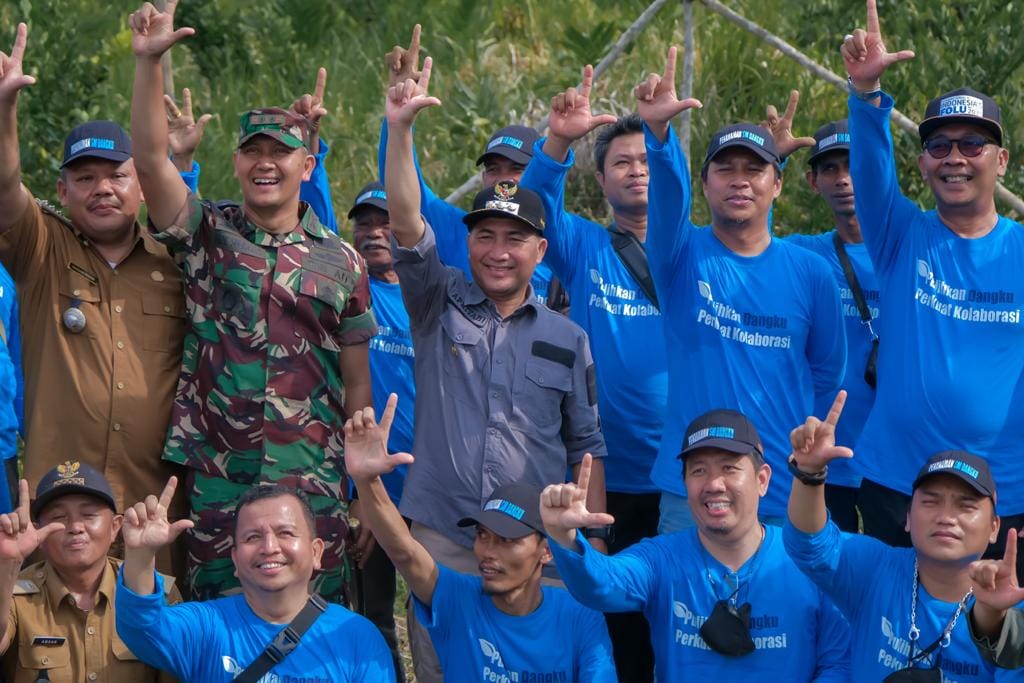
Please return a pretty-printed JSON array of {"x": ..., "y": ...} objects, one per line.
[
  {"x": 591, "y": 385},
  {"x": 548, "y": 351},
  {"x": 346, "y": 278},
  {"x": 236, "y": 243},
  {"x": 83, "y": 272},
  {"x": 49, "y": 641}
]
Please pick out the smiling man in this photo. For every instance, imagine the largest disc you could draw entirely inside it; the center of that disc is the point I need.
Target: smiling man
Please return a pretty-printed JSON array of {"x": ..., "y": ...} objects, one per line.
[{"x": 279, "y": 325}]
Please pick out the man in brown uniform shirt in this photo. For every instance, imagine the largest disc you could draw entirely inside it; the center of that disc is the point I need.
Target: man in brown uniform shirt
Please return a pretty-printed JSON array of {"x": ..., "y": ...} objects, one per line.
[
  {"x": 60, "y": 612},
  {"x": 102, "y": 313}
]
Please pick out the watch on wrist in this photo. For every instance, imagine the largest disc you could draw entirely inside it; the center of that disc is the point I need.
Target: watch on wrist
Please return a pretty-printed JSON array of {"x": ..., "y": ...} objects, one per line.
[
  {"x": 866, "y": 96},
  {"x": 605, "y": 533},
  {"x": 808, "y": 478}
]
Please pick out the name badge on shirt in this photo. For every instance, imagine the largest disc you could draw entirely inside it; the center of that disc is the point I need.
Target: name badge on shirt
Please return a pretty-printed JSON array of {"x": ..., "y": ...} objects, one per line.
[{"x": 49, "y": 641}]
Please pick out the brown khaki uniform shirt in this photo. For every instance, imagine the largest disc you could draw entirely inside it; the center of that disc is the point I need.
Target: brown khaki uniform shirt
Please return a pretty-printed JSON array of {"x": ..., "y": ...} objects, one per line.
[
  {"x": 49, "y": 632},
  {"x": 102, "y": 396}
]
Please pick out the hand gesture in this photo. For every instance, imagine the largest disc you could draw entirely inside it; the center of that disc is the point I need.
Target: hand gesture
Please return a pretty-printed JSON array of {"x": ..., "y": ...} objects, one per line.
[
  {"x": 153, "y": 31},
  {"x": 12, "y": 77},
  {"x": 865, "y": 56},
  {"x": 782, "y": 128},
  {"x": 571, "y": 117},
  {"x": 146, "y": 525},
  {"x": 19, "y": 537},
  {"x": 311, "y": 107},
  {"x": 563, "y": 507},
  {"x": 403, "y": 63},
  {"x": 656, "y": 97},
  {"x": 814, "y": 442},
  {"x": 406, "y": 99},
  {"x": 184, "y": 132},
  {"x": 366, "y": 443},
  {"x": 995, "y": 581}
]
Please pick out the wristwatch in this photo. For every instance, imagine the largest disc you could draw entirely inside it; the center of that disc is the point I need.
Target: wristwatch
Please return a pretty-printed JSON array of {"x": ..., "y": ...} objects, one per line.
[
  {"x": 605, "y": 533},
  {"x": 808, "y": 478},
  {"x": 860, "y": 94}
]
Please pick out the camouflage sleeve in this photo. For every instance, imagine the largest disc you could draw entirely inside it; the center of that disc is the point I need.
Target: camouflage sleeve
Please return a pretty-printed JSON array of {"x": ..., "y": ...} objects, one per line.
[
  {"x": 358, "y": 324},
  {"x": 180, "y": 235}
]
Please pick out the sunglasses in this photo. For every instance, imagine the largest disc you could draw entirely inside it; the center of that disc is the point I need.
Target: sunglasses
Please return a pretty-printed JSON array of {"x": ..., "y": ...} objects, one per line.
[{"x": 939, "y": 147}]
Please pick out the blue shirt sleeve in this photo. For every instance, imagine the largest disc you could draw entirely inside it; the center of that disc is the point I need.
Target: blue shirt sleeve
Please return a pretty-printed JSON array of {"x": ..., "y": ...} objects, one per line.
[
  {"x": 546, "y": 177},
  {"x": 14, "y": 349},
  {"x": 191, "y": 178},
  {"x": 317, "y": 191},
  {"x": 826, "y": 342},
  {"x": 159, "y": 635},
  {"x": 594, "y": 658},
  {"x": 668, "y": 209},
  {"x": 833, "y": 645},
  {"x": 622, "y": 583}
]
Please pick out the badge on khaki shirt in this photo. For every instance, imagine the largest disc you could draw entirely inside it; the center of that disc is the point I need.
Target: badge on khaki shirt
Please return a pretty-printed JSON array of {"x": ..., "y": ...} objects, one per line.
[{"x": 49, "y": 641}]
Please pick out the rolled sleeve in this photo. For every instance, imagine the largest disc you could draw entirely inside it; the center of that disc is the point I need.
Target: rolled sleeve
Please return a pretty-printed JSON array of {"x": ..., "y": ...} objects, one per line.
[
  {"x": 358, "y": 324},
  {"x": 185, "y": 225}
]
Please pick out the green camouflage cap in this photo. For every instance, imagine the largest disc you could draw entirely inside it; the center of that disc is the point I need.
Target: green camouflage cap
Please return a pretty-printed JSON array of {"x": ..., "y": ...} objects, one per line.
[{"x": 282, "y": 125}]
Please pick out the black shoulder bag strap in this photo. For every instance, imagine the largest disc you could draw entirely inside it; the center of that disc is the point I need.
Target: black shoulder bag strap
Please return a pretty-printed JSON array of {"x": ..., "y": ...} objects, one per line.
[
  {"x": 862, "y": 305},
  {"x": 634, "y": 257},
  {"x": 284, "y": 642}
]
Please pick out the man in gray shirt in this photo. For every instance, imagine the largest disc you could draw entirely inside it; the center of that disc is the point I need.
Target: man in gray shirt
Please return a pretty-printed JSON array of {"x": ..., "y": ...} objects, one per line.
[{"x": 505, "y": 386}]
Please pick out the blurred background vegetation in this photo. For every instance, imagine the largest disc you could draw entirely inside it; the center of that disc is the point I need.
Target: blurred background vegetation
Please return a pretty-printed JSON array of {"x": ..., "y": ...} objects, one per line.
[{"x": 496, "y": 63}]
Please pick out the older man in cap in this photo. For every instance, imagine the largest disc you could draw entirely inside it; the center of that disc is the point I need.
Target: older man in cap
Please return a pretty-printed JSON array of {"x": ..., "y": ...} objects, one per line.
[
  {"x": 279, "y": 324},
  {"x": 60, "y": 612}
]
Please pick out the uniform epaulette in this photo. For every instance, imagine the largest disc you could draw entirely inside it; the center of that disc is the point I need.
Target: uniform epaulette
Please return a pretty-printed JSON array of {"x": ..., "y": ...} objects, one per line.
[
  {"x": 25, "y": 587},
  {"x": 52, "y": 210}
]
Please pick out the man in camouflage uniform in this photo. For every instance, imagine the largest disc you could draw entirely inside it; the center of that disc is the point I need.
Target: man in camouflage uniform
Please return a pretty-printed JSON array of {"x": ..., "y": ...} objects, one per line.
[{"x": 279, "y": 322}]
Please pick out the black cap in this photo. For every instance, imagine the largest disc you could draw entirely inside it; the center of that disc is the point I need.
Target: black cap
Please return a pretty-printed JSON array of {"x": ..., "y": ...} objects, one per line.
[
  {"x": 970, "y": 468},
  {"x": 507, "y": 200},
  {"x": 963, "y": 105},
  {"x": 512, "y": 511},
  {"x": 512, "y": 142},
  {"x": 70, "y": 477},
  {"x": 757, "y": 139},
  {"x": 101, "y": 139},
  {"x": 829, "y": 138},
  {"x": 729, "y": 430},
  {"x": 371, "y": 195}
]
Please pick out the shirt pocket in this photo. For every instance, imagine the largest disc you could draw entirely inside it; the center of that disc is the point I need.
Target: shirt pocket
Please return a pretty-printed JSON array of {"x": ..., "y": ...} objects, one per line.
[
  {"x": 163, "y": 320},
  {"x": 319, "y": 306},
  {"x": 464, "y": 378},
  {"x": 235, "y": 300},
  {"x": 541, "y": 389},
  {"x": 54, "y": 659}
]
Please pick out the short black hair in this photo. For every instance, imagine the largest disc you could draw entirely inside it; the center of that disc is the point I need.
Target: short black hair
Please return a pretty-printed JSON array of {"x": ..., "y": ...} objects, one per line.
[
  {"x": 625, "y": 125},
  {"x": 264, "y": 491}
]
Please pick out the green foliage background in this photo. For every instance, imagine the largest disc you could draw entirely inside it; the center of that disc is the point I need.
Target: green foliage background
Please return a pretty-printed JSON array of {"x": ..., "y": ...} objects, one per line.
[{"x": 496, "y": 63}]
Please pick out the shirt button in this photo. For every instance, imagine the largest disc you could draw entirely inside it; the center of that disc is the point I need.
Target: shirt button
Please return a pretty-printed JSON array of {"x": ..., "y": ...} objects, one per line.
[
  {"x": 46, "y": 660},
  {"x": 120, "y": 344},
  {"x": 77, "y": 292},
  {"x": 458, "y": 337},
  {"x": 167, "y": 309},
  {"x": 118, "y": 308},
  {"x": 117, "y": 426},
  {"x": 92, "y": 676},
  {"x": 120, "y": 385},
  {"x": 499, "y": 361},
  {"x": 91, "y": 630},
  {"x": 494, "y": 394}
]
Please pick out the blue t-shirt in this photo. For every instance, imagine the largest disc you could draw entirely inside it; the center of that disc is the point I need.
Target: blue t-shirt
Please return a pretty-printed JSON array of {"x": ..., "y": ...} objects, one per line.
[
  {"x": 798, "y": 634},
  {"x": 872, "y": 584},
  {"x": 951, "y": 360},
  {"x": 213, "y": 641},
  {"x": 449, "y": 230},
  {"x": 762, "y": 334},
  {"x": 12, "y": 384},
  {"x": 860, "y": 395},
  {"x": 391, "y": 370},
  {"x": 627, "y": 333},
  {"x": 475, "y": 641}
]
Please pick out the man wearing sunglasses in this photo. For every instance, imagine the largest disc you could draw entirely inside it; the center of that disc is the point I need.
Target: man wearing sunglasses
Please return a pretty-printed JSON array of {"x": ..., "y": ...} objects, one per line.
[{"x": 950, "y": 365}]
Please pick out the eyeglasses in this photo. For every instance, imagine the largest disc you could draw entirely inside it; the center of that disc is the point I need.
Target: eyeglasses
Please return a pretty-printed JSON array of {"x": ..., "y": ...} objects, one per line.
[{"x": 939, "y": 147}]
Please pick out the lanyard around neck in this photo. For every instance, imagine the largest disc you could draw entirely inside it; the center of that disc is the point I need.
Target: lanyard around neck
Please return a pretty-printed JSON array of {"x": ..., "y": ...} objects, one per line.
[{"x": 915, "y": 633}]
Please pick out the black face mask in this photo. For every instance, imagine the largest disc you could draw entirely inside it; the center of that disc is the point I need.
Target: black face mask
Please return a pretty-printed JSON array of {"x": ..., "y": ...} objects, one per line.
[
  {"x": 727, "y": 630},
  {"x": 910, "y": 675}
]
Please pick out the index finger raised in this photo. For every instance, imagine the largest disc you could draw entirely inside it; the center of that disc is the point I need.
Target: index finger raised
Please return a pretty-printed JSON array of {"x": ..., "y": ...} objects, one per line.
[
  {"x": 873, "y": 25},
  {"x": 584, "y": 479},
  {"x": 794, "y": 99},
  {"x": 588, "y": 81},
  {"x": 837, "y": 408},
  {"x": 428, "y": 67},
  {"x": 670, "y": 66},
  {"x": 1010, "y": 554},
  {"x": 23, "y": 503},
  {"x": 20, "y": 39},
  {"x": 186, "y": 102},
  {"x": 321, "y": 82},
  {"x": 414, "y": 46},
  {"x": 168, "y": 493}
]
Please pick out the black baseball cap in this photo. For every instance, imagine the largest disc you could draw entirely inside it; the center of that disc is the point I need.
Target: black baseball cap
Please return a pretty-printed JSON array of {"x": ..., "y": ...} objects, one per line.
[
  {"x": 371, "y": 195},
  {"x": 756, "y": 138},
  {"x": 98, "y": 139},
  {"x": 970, "y": 468},
  {"x": 70, "y": 477},
  {"x": 829, "y": 138},
  {"x": 507, "y": 199},
  {"x": 512, "y": 511},
  {"x": 512, "y": 142},
  {"x": 729, "y": 430},
  {"x": 963, "y": 105}
]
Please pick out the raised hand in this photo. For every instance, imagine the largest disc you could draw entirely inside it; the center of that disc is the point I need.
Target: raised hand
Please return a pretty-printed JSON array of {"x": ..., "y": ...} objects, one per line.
[
  {"x": 656, "y": 98},
  {"x": 406, "y": 99},
  {"x": 995, "y": 581},
  {"x": 563, "y": 507},
  {"x": 184, "y": 131},
  {"x": 12, "y": 75},
  {"x": 312, "y": 108},
  {"x": 814, "y": 442},
  {"x": 865, "y": 56},
  {"x": 366, "y": 443},
  {"x": 782, "y": 127},
  {"x": 571, "y": 117},
  {"x": 153, "y": 31},
  {"x": 403, "y": 63},
  {"x": 19, "y": 537},
  {"x": 146, "y": 525}
]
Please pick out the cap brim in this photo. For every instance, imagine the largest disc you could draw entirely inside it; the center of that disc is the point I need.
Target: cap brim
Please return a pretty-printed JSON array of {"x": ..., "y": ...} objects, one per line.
[
  {"x": 108, "y": 154},
  {"x": 373, "y": 201},
  {"x": 725, "y": 444},
  {"x": 745, "y": 144},
  {"x": 66, "y": 490},
  {"x": 838, "y": 147},
  {"x": 973, "y": 483},
  {"x": 499, "y": 523},
  {"x": 474, "y": 217},
  {"x": 283, "y": 138},
  {"x": 929, "y": 126},
  {"x": 511, "y": 153}
]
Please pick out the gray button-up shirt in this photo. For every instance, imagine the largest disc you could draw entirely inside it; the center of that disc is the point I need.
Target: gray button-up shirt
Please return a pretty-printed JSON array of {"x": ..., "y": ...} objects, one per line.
[{"x": 497, "y": 400}]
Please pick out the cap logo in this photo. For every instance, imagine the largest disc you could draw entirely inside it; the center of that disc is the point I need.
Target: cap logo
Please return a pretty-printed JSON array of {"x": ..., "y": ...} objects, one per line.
[
  {"x": 266, "y": 120},
  {"x": 510, "y": 509},
  {"x": 68, "y": 473},
  {"x": 505, "y": 140},
  {"x": 91, "y": 143},
  {"x": 507, "y": 207},
  {"x": 710, "y": 433},
  {"x": 957, "y": 465},
  {"x": 505, "y": 190},
  {"x": 372, "y": 194},
  {"x": 744, "y": 134},
  {"x": 962, "y": 105},
  {"x": 834, "y": 139}
]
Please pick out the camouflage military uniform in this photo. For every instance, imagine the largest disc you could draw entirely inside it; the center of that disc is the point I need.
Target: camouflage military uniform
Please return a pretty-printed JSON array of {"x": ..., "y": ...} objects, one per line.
[{"x": 260, "y": 398}]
